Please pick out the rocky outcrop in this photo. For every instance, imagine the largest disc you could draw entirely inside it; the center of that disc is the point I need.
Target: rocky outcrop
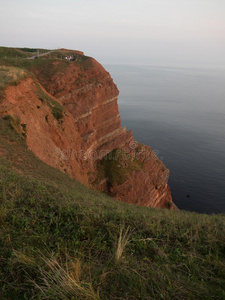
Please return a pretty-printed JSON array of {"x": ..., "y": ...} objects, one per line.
[{"x": 73, "y": 123}]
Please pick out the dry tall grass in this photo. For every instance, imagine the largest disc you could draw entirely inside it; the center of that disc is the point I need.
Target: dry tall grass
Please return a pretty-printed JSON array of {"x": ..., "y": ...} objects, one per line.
[
  {"x": 122, "y": 242},
  {"x": 61, "y": 280},
  {"x": 10, "y": 76}
]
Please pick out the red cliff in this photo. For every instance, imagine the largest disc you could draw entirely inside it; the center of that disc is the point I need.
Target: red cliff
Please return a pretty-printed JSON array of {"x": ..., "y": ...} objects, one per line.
[{"x": 72, "y": 122}]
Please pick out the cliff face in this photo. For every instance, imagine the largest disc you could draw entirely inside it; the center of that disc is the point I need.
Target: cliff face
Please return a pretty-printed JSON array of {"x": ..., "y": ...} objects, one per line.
[
  {"x": 72, "y": 122},
  {"x": 46, "y": 136}
]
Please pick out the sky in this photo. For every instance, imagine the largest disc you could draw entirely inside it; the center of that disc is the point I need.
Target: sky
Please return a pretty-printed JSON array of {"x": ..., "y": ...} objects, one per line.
[{"x": 149, "y": 32}]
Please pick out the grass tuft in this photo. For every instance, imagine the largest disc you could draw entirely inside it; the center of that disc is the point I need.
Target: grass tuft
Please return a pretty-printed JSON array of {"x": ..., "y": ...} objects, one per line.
[
  {"x": 122, "y": 242},
  {"x": 10, "y": 76},
  {"x": 62, "y": 280}
]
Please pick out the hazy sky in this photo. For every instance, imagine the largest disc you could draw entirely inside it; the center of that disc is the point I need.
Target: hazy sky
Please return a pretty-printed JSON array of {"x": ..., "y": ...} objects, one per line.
[{"x": 153, "y": 32}]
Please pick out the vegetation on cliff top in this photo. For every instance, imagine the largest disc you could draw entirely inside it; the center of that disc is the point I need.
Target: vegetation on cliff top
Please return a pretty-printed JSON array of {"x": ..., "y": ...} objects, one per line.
[
  {"x": 60, "y": 240},
  {"x": 6, "y": 52}
]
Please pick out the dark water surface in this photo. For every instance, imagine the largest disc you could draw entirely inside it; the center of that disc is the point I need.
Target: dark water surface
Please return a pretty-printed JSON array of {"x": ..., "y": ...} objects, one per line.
[{"x": 180, "y": 113}]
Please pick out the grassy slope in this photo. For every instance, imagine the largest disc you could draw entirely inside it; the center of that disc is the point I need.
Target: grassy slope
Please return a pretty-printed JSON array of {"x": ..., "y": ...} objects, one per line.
[
  {"x": 6, "y": 52},
  {"x": 60, "y": 240},
  {"x": 11, "y": 52}
]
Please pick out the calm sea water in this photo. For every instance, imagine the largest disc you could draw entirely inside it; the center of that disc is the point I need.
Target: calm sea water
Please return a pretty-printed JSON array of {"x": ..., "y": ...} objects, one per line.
[{"x": 180, "y": 113}]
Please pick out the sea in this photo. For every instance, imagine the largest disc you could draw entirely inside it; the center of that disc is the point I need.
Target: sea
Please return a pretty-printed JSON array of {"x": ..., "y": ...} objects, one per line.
[{"x": 180, "y": 113}]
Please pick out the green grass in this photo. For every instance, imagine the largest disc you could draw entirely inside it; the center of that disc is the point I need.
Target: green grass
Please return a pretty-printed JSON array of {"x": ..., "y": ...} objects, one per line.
[
  {"x": 61, "y": 240},
  {"x": 11, "y": 53},
  {"x": 16, "y": 53}
]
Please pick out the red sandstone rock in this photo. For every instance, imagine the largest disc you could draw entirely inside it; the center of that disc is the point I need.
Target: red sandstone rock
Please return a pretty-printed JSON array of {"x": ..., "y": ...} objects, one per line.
[{"x": 91, "y": 129}]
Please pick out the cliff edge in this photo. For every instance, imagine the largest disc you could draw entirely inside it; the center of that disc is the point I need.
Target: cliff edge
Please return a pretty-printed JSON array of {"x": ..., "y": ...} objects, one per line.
[{"x": 67, "y": 110}]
